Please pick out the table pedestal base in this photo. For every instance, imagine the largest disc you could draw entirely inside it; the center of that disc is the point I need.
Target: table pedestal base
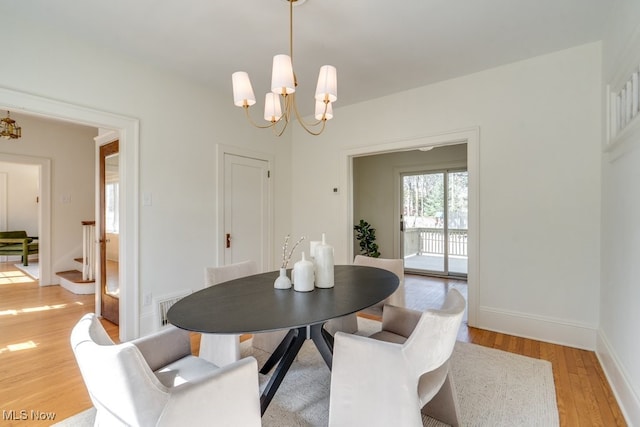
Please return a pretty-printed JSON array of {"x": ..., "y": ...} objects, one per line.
[{"x": 286, "y": 352}]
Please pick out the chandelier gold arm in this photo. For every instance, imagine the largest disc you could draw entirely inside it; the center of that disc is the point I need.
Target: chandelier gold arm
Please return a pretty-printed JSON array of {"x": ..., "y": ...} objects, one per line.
[
  {"x": 273, "y": 125},
  {"x": 308, "y": 126},
  {"x": 245, "y": 107}
]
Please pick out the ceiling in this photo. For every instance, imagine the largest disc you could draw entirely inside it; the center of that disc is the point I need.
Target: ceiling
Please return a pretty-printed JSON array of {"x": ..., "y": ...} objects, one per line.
[{"x": 378, "y": 47}]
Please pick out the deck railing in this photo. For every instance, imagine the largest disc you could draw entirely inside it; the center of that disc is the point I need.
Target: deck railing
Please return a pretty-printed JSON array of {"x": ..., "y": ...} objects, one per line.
[{"x": 421, "y": 241}]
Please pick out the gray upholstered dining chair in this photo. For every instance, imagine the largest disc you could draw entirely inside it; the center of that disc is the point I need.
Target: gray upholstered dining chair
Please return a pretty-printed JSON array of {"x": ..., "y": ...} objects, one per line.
[
  {"x": 406, "y": 369},
  {"x": 155, "y": 381},
  {"x": 349, "y": 324},
  {"x": 222, "y": 349},
  {"x": 394, "y": 265}
]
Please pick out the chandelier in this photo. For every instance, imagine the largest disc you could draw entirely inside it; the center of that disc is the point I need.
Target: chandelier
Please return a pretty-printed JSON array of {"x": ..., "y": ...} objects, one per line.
[
  {"x": 8, "y": 129},
  {"x": 283, "y": 88}
]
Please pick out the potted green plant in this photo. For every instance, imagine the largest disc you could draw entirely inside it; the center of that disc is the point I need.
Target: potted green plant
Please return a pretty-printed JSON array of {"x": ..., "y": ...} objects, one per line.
[{"x": 366, "y": 236}]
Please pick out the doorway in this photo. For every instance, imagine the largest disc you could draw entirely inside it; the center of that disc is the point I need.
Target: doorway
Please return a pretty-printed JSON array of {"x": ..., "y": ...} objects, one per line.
[
  {"x": 109, "y": 231},
  {"x": 19, "y": 197},
  {"x": 128, "y": 131},
  {"x": 434, "y": 222},
  {"x": 246, "y": 200},
  {"x": 470, "y": 137},
  {"x": 41, "y": 199}
]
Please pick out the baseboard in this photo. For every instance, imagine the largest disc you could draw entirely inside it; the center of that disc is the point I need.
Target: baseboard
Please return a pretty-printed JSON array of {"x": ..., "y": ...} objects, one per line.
[
  {"x": 618, "y": 380},
  {"x": 547, "y": 329}
]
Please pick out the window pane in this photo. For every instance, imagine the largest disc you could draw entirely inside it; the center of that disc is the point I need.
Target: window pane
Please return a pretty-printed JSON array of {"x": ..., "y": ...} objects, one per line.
[{"x": 111, "y": 207}]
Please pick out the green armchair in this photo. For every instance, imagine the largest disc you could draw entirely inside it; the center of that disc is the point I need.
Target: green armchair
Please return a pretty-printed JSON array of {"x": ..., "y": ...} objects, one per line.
[{"x": 18, "y": 243}]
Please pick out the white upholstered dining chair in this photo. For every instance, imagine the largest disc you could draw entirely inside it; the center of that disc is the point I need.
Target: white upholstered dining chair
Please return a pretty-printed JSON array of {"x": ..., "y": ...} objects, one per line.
[
  {"x": 223, "y": 349},
  {"x": 406, "y": 369},
  {"x": 155, "y": 381},
  {"x": 349, "y": 324}
]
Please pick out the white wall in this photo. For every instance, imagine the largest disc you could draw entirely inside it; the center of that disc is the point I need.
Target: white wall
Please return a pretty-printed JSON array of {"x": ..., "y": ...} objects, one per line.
[
  {"x": 70, "y": 148},
  {"x": 180, "y": 125},
  {"x": 539, "y": 195},
  {"x": 618, "y": 347}
]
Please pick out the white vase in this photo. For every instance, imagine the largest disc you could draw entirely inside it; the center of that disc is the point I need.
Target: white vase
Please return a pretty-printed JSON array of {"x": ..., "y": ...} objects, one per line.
[
  {"x": 313, "y": 245},
  {"x": 282, "y": 281},
  {"x": 303, "y": 271},
  {"x": 324, "y": 264}
]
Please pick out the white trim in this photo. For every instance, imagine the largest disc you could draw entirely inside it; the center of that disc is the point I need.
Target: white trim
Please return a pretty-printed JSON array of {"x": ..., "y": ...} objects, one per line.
[
  {"x": 3, "y": 201},
  {"x": 540, "y": 328},
  {"x": 471, "y": 137},
  {"x": 221, "y": 150},
  {"x": 44, "y": 211},
  {"x": 617, "y": 377},
  {"x": 128, "y": 128}
]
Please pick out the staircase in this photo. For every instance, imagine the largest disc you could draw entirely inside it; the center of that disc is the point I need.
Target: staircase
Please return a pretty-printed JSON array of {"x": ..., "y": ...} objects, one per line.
[
  {"x": 72, "y": 280},
  {"x": 82, "y": 281}
]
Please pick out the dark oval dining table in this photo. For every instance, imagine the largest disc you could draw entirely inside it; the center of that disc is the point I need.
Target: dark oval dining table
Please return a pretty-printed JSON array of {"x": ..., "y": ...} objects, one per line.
[{"x": 251, "y": 304}]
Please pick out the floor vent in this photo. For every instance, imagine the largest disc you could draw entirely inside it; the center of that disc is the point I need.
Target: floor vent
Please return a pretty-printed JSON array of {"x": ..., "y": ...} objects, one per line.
[{"x": 163, "y": 304}]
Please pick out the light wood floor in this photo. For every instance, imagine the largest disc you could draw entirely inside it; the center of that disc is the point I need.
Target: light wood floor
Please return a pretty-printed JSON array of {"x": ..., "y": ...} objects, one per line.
[{"x": 38, "y": 371}]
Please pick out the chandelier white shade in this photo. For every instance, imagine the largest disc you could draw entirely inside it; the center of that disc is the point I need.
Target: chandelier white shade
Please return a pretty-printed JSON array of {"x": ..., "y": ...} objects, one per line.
[
  {"x": 327, "y": 87},
  {"x": 282, "y": 81},
  {"x": 272, "y": 110},
  {"x": 280, "y": 104},
  {"x": 242, "y": 90},
  {"x": 323, "y": 110}
]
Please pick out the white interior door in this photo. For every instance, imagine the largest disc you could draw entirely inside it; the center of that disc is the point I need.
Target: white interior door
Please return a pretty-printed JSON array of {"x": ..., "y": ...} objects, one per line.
[{"x": 246, "y": 204}]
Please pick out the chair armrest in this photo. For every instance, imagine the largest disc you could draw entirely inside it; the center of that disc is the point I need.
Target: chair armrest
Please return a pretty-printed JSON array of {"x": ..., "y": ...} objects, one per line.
[
  {"x": 230, "y": 397},
  {"x": 366, "y": 372},
  {"x": 164, "y": 347},
  {"x": 16, "y": 240},
  {"x": 399, "y": 320}
]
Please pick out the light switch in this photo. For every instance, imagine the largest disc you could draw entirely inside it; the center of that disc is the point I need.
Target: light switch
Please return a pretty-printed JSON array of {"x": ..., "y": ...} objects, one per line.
[{"x": 147, "y": 199}]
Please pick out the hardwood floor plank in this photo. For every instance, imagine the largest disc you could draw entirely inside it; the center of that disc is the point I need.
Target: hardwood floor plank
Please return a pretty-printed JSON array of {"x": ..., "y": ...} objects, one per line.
[{"x": 606, "y": 406}]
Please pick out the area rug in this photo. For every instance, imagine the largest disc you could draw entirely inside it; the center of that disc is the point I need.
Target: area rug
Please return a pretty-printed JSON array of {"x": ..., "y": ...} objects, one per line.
[
  {"x": 495, "y": 388},
  {"x": 32, "y": 269}
]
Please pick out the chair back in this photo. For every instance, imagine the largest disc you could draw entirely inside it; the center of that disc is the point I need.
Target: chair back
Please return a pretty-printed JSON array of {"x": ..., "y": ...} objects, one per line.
[
  {"x": 223, "y": 349},
  {"x": 119, "y": 381},
  {"x": 431, "y": 344},
  {"x": 216, "y": 275},
  {"x": 396, "y": 266}
]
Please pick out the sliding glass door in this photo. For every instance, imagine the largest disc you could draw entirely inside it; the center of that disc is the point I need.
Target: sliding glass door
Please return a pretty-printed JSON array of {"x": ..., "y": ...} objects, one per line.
[{"x": 434, "y": 222}]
